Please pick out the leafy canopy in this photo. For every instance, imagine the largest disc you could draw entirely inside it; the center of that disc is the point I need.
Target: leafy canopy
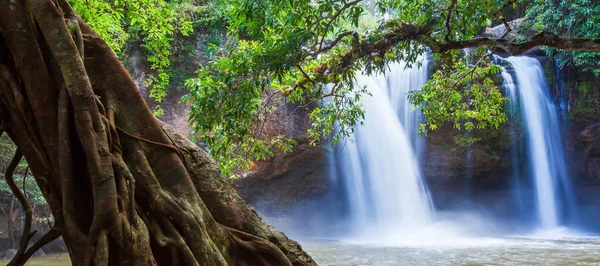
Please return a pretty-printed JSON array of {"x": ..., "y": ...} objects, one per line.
[
  {"x": 309, "y": 52},
  {"x": 578, "y": 18}
]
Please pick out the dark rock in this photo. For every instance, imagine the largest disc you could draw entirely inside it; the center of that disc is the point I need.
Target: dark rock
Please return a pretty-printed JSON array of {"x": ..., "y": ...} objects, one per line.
[
  {"x": 287, "y": 181},
  {"x": 39, "y": 253},
  {"x": 590, "y": 133},
  {"x": 275, "y": 185},
  {"x": 8, "y": 254},
  {"x": 447, "y": 159},
  {"x": 457, "y": 164},
  {"x": 586, "y": 159}
]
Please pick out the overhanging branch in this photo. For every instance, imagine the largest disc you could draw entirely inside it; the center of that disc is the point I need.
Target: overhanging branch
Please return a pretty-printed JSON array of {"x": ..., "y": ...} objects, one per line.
[
  {"x": 517, "y": 48},
  {"x": 422, "y": 34}
]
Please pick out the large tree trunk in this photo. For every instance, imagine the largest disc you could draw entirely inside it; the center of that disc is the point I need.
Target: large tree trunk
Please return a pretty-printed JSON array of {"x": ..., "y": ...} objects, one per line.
[{"x": 123, "y": 190}]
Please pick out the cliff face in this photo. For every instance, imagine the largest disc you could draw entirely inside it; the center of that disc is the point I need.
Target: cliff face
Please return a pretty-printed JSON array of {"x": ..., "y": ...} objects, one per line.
[
  {"x": 277, "y": 184},
  {"x": 286, "y": 181},
  {"x": 459, "y": 165},
  {"x": 587, "y": 163},
  {"x": 452, "y": 155},
  {"x": 583, "y": 136}
]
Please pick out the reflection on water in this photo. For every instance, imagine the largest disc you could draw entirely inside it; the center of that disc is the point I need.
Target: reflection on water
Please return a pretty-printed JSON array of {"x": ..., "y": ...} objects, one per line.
[{"x": 484, "y": 251}]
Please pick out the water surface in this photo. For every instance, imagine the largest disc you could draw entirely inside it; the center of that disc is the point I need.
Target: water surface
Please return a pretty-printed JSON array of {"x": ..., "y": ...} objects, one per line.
[{"x": 484, "y": 251}]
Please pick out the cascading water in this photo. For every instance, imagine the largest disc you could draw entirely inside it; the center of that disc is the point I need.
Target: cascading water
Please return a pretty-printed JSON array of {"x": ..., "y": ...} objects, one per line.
[
  {"x": 398, "y": 82},
  {"x": 379, "y": 167},
  {"x": 545, "y": 152},
  {"x": 519, "y": 188}
]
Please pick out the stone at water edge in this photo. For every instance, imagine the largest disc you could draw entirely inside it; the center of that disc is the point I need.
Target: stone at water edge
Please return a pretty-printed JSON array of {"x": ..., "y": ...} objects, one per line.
[
  {"x": 8, "y": 254},
  {"x": 39, "y": 253}
]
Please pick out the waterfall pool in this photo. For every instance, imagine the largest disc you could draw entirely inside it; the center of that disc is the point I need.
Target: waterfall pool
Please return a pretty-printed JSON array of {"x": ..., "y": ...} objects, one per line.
[{"x": 516, "y": 250}]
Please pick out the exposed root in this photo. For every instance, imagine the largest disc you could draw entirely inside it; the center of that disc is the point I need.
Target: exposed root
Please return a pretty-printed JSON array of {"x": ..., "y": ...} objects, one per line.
[
  {"x": 45, "y": 239},
  {"x": 168, "y": 146},
  {"x": 263, "y": 251},
  {"x": 26, "y": 235}
]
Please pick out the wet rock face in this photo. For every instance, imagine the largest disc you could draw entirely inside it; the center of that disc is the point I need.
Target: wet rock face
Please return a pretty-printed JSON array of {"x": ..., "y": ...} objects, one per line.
[
  {"x": 274, "y": 186},
  {"x": 459, "y": 167},
  {"x": 280, "y": 183},
  {"x": 447, "y": 159},
  {"x": 286, "y": 181},
  {"x": 587, "y": 156}
]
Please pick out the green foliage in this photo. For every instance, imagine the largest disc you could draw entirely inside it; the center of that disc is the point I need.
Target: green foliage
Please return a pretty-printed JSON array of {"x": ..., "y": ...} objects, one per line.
[
  {"x": 577, "y": 18},
  {"x": 154, "y": 22},
  {"x": 463, "y": 94},
  {"x": 309, "y": 53},
  {"x": 106, "y": 19},
  {"x": 494, "y": 139},
  {"x": 586, "y": 107},
  {"x": 464, "y": 141}
]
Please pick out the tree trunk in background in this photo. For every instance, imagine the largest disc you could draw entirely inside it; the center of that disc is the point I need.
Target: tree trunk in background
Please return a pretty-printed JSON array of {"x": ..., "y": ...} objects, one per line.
[
  {"x": 11, "y": 224},
  {"x": 123, "y": 191}
]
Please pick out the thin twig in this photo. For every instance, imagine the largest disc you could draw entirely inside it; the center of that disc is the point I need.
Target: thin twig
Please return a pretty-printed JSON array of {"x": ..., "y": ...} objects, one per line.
[
  {"x": 335, "y": 17},
  {"x": 498, "y": 15}
]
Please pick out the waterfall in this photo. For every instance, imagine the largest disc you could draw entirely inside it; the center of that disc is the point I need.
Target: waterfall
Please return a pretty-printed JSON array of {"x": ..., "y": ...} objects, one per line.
[
  {"x": 379, "y": 166},
  {"x": 516, "y": 152},
  {"x": 529, "y": 94}
]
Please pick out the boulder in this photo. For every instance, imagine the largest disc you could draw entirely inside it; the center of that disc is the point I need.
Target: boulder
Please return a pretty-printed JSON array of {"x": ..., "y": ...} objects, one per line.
[
  {"x": 8, "y": 254},
  {"x": 39, "y": 253}
]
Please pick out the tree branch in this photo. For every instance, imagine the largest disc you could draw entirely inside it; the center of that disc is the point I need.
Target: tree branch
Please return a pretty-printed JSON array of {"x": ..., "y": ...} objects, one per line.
[
  {"x": 45, "y": 239},
  {"x": 421, "y": 34},
  {"x": 26, "y": 234},
  {"x": 517, "y": 48},
  {"x": 336, "y": 16},
  {"x": 498, "y": 15},
  {"x": 448, "y": 19},
  {"x": 332, "y": 44},
  {"x": 400, "y": 33}
]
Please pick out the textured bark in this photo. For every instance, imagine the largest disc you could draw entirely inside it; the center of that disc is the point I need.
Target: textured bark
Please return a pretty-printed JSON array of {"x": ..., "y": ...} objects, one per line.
[{"x": 123, "y": 191}]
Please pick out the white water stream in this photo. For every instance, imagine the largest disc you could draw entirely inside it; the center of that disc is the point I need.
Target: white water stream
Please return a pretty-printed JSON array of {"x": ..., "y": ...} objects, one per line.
[
  {"x": 545, "y": 153},
  {"x": 380, "y": 165}
]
